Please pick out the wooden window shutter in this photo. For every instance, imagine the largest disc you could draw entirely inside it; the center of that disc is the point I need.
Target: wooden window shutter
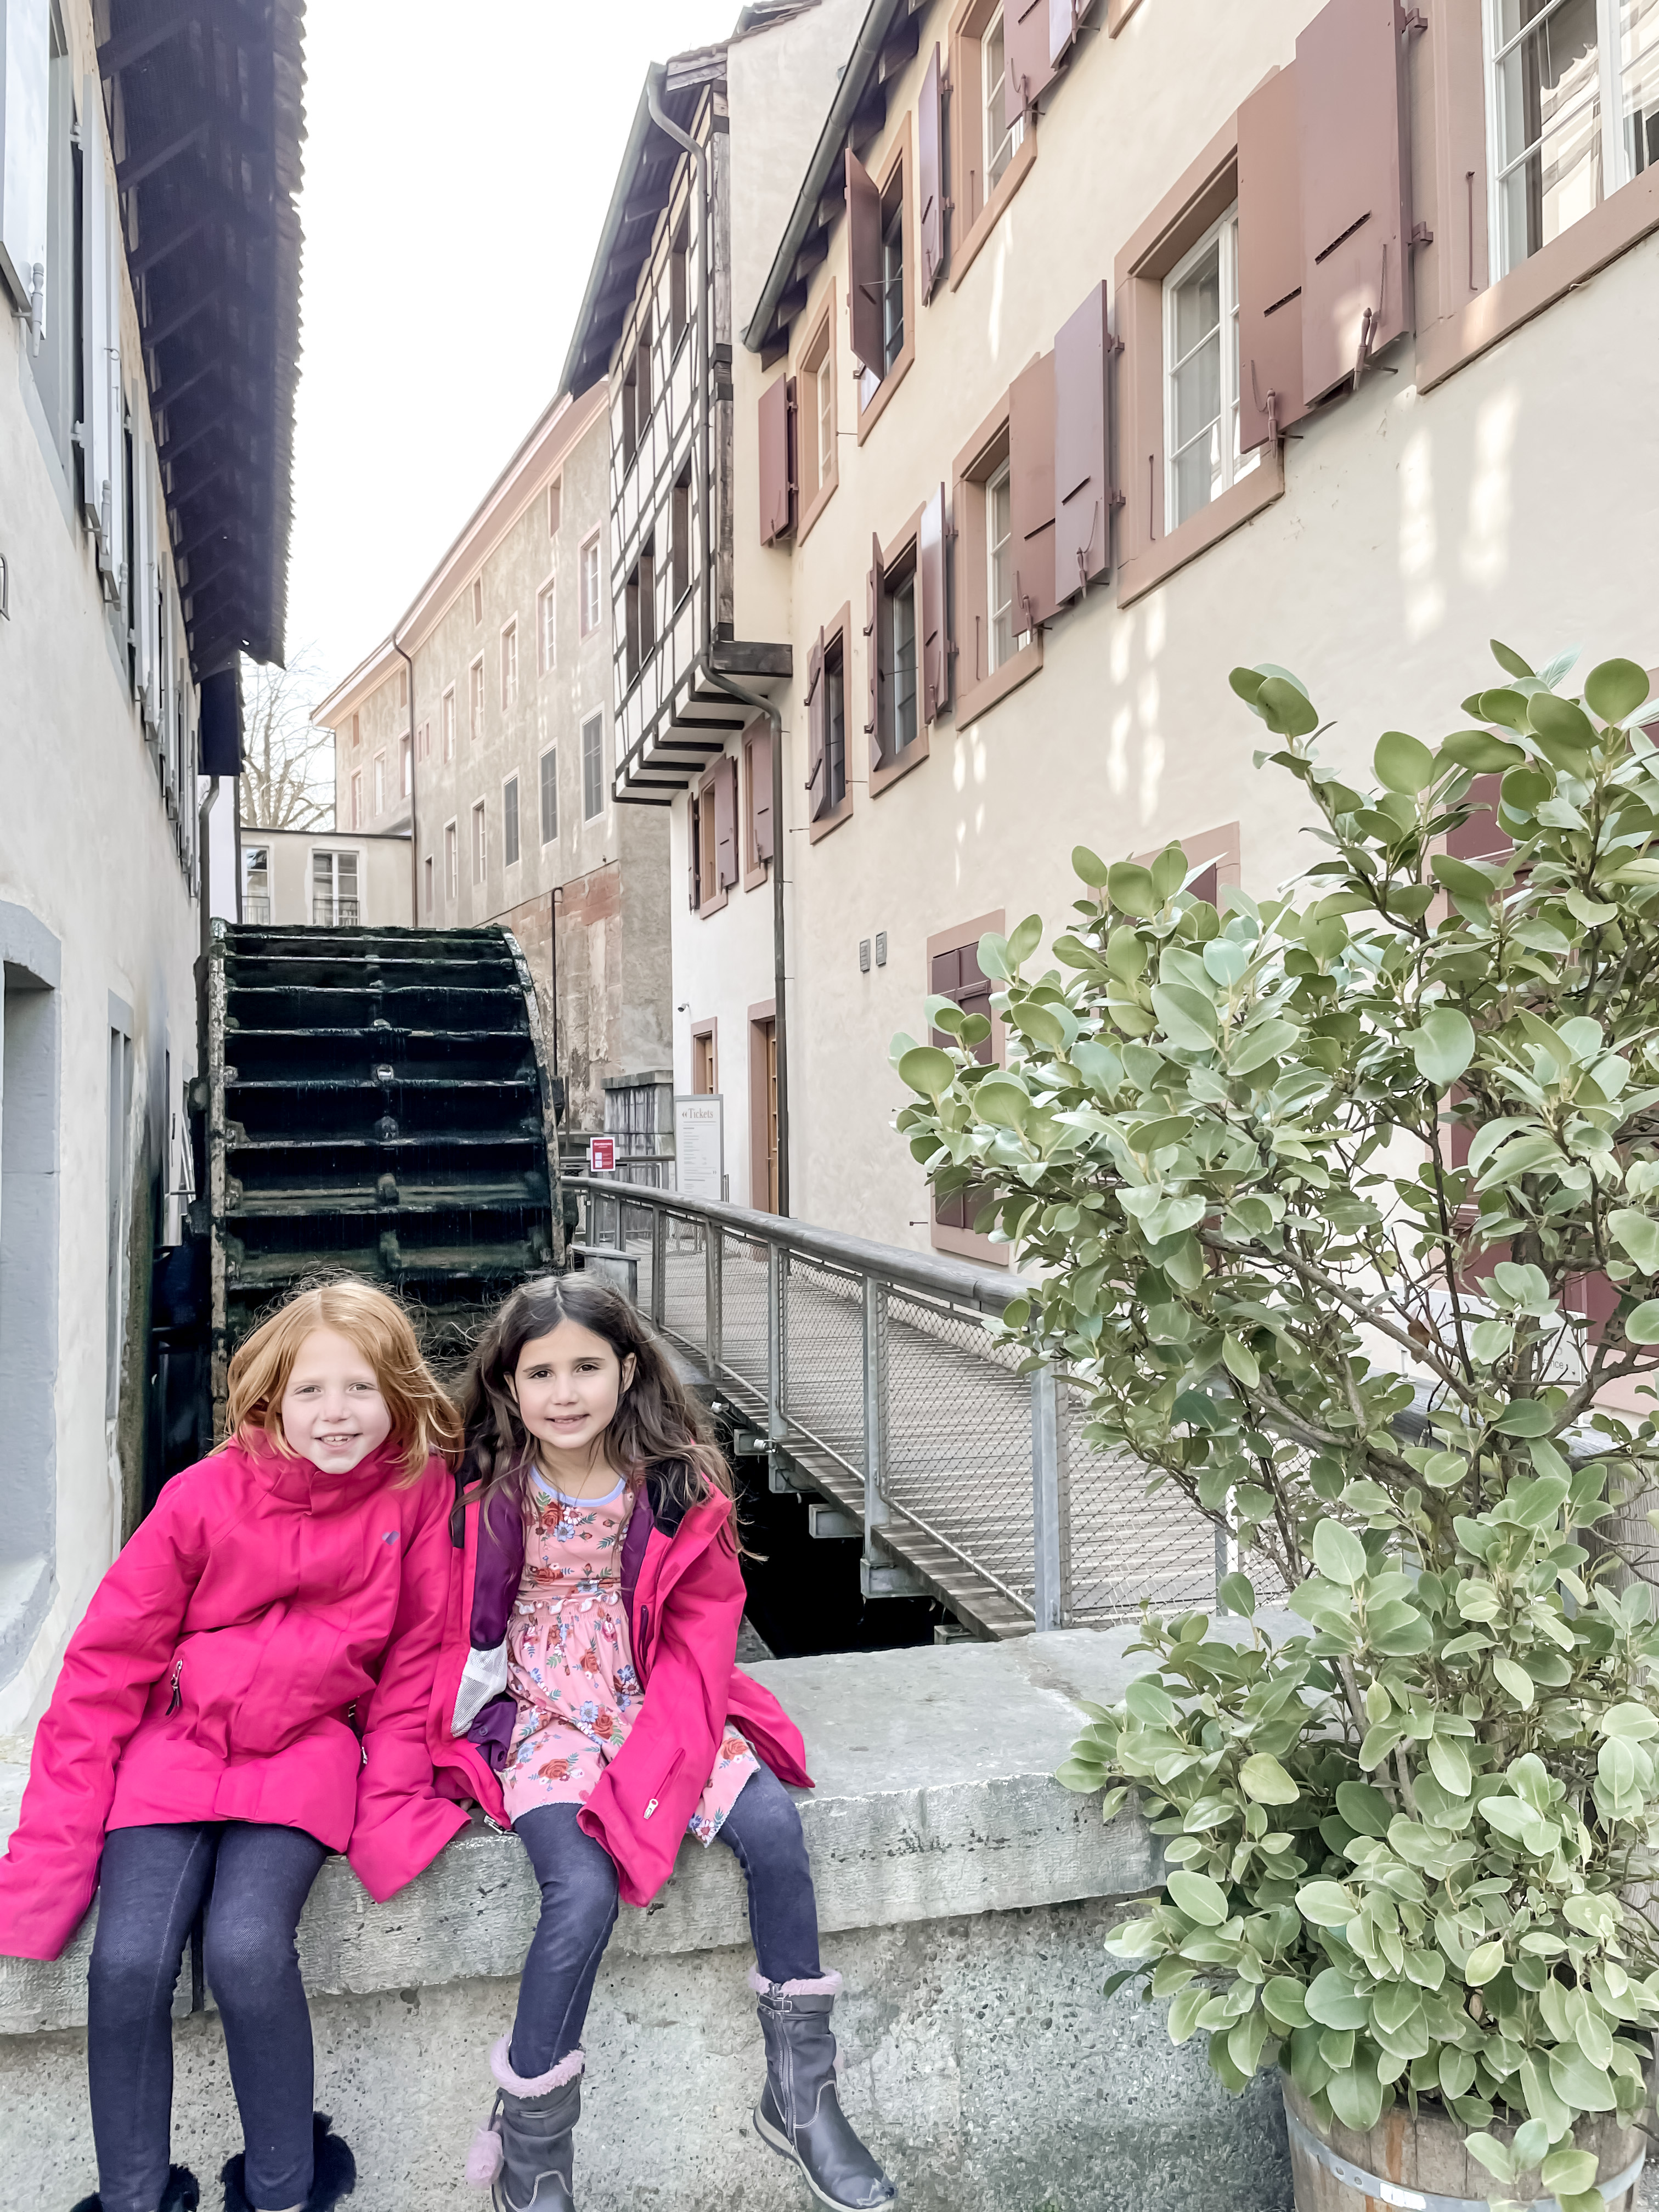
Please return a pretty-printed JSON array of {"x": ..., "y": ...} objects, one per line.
[
  {"x": 95, "y": 468},
  {"x": 760, "y": 793},
  {"x": 864, "y": 293},
  {"x": 1083, "y": 499},
  {"x": 1032, "y": 490},
  {"x": 1269, "y": 262},
  {"x": 1355, "y": 233},
  {"x": 930, "y": 175},
  {"x": 930, "y": 564},
  {"x": 725, "y": 822},
  {"x": 817, "y": 763},
  {"x": 694, "y": 851},
  {"x": 777, "y": 455},
  {"x": 874, "y": 584},
  {"x": 1480, "y": 838},
  {"x": 1025, "y": 53}
]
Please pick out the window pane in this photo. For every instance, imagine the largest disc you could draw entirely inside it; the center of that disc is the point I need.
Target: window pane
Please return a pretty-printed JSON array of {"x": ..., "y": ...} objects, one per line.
[
  {"x": 892, "y": 286},
  {"x": 1198, "y": 302},
  {"x": 1639, "y": 34},
  {"x": 902, "y": 617},
  {"x": 827, "y": 421},
  {"x": 1549, "y": 121},
  {"x": 997, "y": 538},
  {"x": 510, "y": 820},
  {"x": 834, "y": 733},
  {"x": 549, "y": 796},
  {"x": 592, "y": 767}
]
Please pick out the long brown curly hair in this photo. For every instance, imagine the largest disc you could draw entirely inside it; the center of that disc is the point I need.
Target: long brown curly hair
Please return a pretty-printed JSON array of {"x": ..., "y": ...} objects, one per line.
[{"x": 659, "y": 1428}]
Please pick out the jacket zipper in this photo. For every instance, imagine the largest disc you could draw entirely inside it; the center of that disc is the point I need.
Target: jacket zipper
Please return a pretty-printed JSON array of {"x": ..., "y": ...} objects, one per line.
[{"x": 175, "y": 1699}]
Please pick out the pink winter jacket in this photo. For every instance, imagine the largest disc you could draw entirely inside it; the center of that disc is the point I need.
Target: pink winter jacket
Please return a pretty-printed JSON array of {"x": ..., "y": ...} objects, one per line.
[
  {"x": 262, "y": 1619},
  {"x": 683, "y": 1590}
]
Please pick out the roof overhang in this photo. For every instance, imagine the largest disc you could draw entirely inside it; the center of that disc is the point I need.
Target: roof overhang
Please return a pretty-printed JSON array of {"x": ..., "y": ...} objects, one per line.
[{"x": 207, "y": 108}]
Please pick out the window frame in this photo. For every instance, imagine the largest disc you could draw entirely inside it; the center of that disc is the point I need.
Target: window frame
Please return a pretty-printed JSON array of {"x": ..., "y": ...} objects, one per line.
[
  {"x": 547, "y": 627},
  {"x": 588, "y": 722},
  {"x": 819, "y": 362},
  {"x": 509, "y": 636},
  {"x": 976, "y": 213},
  {"x": 712, "y": 894},
  {"x": 1148, "y": 553},
  {"x": 554, "y": 505},
  {"x": 980, "y": 686},
  {"x": 356, "y": 799},
  {"x": 447, "y": 722},
  {"x": 587, "y": 625},
  {"x": 707, "y": 1032},
  {"x": 476, "y": 694},
  {"x": 905, "y": 549},
  {"x": 379, "y": 783},
  {"x": 429, "y": 879},
  {"x": 1223, "y": 233},
  {"x": 405, "y": 769},
  {"x": 762, "y": 1027},
  {"x": 452, "y": 861},
  {"x": 966, "y": 1243},
  {"x": 480, "y": 843},
  {"x": 478, "y": 602},
  {"x": 755, "y": 872},
  {"x": 548, "y": 753},
  {"x": 513, "y": 844},
  {"x": 1615, "y": 172},
  {"x": 837, "y": 634},
  {"x": 896, "y": 177}
]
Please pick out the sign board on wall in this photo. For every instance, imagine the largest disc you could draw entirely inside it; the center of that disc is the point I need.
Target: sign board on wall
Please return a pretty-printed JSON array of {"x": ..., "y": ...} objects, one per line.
[
  {"x": 601, "y": 1155},
  {"x": 700, "y": 1147}
]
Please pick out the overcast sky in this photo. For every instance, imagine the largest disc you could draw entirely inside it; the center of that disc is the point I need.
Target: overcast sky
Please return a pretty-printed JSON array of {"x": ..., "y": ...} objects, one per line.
[{"x": 457, "y": 166}]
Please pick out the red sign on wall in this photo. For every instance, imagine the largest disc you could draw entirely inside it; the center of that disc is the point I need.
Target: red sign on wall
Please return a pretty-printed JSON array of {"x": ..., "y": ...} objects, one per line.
[{"x": 601, "y": 1155}]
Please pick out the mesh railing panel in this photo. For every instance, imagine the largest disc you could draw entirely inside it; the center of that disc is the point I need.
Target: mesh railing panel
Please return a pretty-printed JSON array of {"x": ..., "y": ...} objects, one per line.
[
  {"x": 824, "y": 1356},
  {"x": 685, "y": 1285},
  {"x": 959, "y": 1439},
  {"x": 744, "y": 1333}
]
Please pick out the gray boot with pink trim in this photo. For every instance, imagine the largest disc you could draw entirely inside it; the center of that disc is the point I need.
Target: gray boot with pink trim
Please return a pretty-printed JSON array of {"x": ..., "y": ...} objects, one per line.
[
  {"x": 525, "y": 2154},
  {"x": 799, "y": 2114}
]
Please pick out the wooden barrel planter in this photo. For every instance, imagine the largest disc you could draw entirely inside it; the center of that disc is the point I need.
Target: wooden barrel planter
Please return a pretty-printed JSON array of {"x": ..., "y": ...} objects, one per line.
[{"x": 1420, "y": 2164}]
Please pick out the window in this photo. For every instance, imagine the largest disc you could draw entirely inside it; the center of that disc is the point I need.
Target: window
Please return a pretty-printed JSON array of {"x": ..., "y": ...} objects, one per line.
[
  {"x": 953, "y": 972},
  {"x": 379, "y": 784},
  {"x": 425, "y": 870},
  {"x": 423, "y": 747},
  {"x": 881, "y": 276},
  {"x": 547, "y": 630},
  {"x": 680, "y": 581},
  {"x": 679, "y": 317},
  {"x": 816, "y": 458},
  {"x": 476, "y": 708},
  {"x": 705, "y": 1060},
  {"x": 835, "y": 724},
  {"x": 403, "y": 687},
  {"x": 1556, "y": 149},
  {"x": 451, "y": 863},
  {"x": 590, "y": 585},
  {"x": 892, "y": 279},
  {"x": 447, "y": 719},
  {"x": 824, "y": 415},
  {"x": 479, "y": 847},
  {"x": 714, "y": 821},
  {"x": 757, "y": 809},
  {"x": 477, "y": 601},
  {"x": 636, "y": 392},
  {"x": 509, "y": 664},
  {"x": 554, "y": 505},
  {"x": 898, "y": 659},
  {"x": 1201, "y": 370},
  {"x": 256, "y": 884},
  {"x": 357, "y": 799},
  {"x": 405, "y": 770},
  {"x": 593, "y": 765},
  {"x": 999, "y": 567},
  {"x": 356, "y": 730},
  {"x": 510, "y": 821},
  {"x": 763, "y": 1110},
  {"x": 549, "y": 794},
  {"x": 1001, "y": 139},
  {"x": 640, "y": 610},
  {"x": 334, "y": 889}
]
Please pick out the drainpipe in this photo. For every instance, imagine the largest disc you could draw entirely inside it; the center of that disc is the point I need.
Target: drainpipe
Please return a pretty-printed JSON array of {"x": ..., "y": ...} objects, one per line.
[
  {"x": 204, "y": 846},
  {"x": 414, "y": 841},
  {"x": 733, "y": 690}
]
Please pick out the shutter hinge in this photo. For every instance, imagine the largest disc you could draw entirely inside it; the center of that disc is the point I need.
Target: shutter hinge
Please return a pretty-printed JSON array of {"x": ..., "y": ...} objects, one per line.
[
  {"x": 1114, "y": 345},
  {"x": 1118, "y": 499},
  {"x": 1421, "y": 235},
  {"x": 1416, "y": 21}
]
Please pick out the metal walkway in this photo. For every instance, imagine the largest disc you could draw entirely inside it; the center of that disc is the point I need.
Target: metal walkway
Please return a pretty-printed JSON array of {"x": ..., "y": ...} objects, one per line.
[{"x": 867, "y": 1374}]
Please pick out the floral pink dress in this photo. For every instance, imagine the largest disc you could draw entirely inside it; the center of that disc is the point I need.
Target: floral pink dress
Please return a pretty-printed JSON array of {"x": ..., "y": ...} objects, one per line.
[{"x": 570, "y": 1666}]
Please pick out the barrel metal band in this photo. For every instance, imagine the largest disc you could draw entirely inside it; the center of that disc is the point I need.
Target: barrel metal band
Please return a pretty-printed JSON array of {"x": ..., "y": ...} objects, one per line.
[{"x": 1425, "y": 2200}]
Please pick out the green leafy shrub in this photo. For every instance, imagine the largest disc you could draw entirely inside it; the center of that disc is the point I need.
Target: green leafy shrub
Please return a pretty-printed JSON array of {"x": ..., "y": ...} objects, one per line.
[{"x": 1311, "y": 1191}]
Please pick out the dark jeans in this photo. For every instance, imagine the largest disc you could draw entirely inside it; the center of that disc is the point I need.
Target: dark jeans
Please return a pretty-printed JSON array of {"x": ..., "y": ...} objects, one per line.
[
  {"x": 151, "y": 1885},
  {"x": 578, "y": 1880}
]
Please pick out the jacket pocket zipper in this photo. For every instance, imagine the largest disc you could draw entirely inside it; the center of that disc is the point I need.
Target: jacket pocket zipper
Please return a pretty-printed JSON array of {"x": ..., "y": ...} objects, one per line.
[
  {"x": 675, "y": 1765},
  {"x": 175, "y": 1699}
]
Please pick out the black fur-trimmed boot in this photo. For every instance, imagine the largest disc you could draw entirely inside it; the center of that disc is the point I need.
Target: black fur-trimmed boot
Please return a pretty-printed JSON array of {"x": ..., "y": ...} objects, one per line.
[
  {"x": 799, "y": 2114},
  {"x": 182, "y": 2194},
  {"x": 333, "y": 2173},
  {"x": 526, "y": 2152}
]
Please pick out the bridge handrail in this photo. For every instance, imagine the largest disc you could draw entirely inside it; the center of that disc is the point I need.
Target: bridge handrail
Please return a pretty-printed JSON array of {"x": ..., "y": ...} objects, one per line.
[{"x": 935, "y": 1275}]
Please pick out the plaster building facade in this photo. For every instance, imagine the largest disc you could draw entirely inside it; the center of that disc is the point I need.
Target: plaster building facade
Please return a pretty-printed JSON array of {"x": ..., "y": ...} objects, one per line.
[
  {"x": 1040, "y": 424},
  {"x": 326, "y": 879},
  {"x": 502, "y": 757},
  {"x": 144, "y": 521}
]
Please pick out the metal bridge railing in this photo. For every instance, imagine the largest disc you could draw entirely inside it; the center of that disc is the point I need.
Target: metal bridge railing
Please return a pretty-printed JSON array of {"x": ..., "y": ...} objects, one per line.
[{"x": 869, "y": 1371}]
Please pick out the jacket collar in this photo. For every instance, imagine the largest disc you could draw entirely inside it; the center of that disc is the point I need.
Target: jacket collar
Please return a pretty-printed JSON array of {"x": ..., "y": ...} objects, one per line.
[{"x": 299, "y": 1482}]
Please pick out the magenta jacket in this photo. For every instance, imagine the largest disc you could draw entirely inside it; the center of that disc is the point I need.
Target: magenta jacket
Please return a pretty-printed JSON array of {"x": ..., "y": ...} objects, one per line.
[
  {"x": 261, "y": 1650},
  {"x": 682, "y": 1590}
]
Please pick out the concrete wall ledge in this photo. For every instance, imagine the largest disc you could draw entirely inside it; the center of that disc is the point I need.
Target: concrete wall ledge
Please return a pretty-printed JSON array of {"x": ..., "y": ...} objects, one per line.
[{"x": 935, "y": 1798}]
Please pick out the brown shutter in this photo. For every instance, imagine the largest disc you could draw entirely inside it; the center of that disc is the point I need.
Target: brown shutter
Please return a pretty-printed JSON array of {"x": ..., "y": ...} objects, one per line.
[
  {"x": 873, "y": 631},
  {"x": 929, "y": 563},
  {"x": 1026, "y": 52},
  {"x": 760, "y": 793},
  {"x": 777, "y": 474},
  {"x": 1355, "y": 284},
  {"x": 863, "y": 263},
  {"x": 816, "y": 784},
  {"x": 1032, "y": 490},
  {"x": 694, "y": 845},
  {"x": 1480, "y": 838},
  {"x": 930, "y": 175},
  {"x": 725, "y": 822},
  {"x": 1269, "y": 262},
  {"x": 1083, "y": 500}
]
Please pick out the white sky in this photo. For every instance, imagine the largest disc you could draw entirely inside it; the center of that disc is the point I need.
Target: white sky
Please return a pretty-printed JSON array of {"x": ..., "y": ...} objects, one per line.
[{"x": 457, "y": 166}]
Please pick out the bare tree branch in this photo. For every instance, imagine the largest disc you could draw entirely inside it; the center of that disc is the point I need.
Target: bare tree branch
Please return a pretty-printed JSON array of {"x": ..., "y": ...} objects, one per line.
[{"x": 287, "y": 763}]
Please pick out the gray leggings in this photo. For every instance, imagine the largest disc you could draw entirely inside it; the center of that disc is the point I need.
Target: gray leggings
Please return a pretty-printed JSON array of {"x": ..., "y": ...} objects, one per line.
[{"x": 151, "y": 1884}]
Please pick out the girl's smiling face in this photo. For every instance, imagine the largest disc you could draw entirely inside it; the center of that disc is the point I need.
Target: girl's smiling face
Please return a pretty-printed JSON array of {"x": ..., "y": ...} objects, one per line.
[
  {"x": 568, "y": 1385},
  {"x": 333, "y": 1413}
]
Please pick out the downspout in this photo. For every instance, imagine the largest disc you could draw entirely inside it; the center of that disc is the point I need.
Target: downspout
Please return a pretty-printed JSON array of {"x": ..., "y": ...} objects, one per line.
[
  {"x": 414, "y": 840},
  {"x": 684, "y": 138}
]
